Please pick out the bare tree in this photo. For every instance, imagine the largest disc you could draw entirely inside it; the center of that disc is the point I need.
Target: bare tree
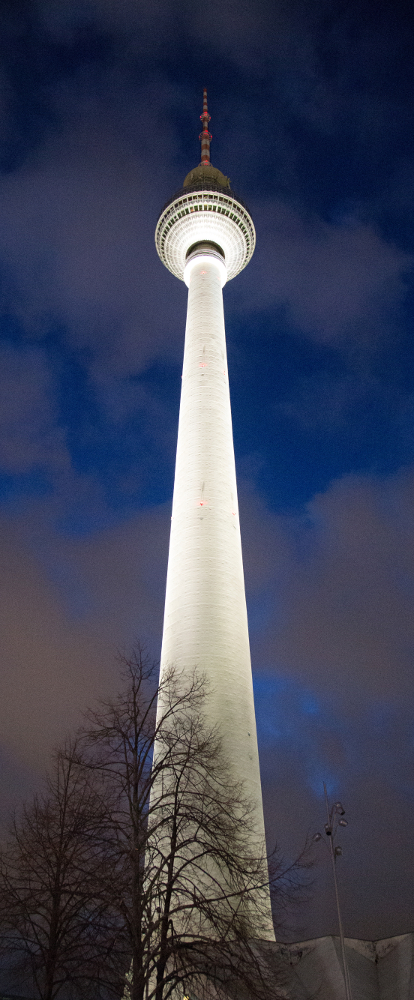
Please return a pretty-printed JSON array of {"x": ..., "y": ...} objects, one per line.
[
  {"x": 183, "y": 889},
  {"x": 49, "y": 909},
  {"x": 134, "y": 876}
]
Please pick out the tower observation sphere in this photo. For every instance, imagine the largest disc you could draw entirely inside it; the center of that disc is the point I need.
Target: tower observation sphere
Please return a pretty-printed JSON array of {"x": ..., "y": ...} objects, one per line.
[{"x": 205, "y": 236}]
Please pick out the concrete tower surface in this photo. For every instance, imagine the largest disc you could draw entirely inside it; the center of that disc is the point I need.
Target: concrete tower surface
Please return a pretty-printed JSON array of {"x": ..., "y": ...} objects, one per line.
[{"x": 205, "y": 236}]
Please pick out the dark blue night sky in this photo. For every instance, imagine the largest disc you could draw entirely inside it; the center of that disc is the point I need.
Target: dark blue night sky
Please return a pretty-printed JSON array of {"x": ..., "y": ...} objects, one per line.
[{"x": 312, "y": 105}]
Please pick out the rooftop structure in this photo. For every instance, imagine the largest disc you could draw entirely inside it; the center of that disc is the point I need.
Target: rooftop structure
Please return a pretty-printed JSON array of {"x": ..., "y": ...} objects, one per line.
[{"x": 379, "y": 970}]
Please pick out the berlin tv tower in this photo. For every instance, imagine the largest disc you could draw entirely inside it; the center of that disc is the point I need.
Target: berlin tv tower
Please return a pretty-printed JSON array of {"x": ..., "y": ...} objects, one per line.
[{"x": 205, "y": 236}]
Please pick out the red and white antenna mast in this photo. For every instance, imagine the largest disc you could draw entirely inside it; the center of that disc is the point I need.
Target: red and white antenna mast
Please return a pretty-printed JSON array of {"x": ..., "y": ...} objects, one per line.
[{"x": 205, "y": 136}]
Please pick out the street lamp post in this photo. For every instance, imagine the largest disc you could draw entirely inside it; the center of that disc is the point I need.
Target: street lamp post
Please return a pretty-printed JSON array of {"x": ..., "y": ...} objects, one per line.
[{"x": 335, "y": 818}]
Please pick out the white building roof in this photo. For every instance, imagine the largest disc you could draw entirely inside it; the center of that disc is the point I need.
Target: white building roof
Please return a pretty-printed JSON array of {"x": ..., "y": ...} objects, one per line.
[{"x": 379, "y": 970}]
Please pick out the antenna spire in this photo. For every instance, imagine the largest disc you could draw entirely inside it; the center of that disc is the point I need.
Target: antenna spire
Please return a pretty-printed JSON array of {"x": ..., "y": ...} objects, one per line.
[{"x": 205, "y": 136}]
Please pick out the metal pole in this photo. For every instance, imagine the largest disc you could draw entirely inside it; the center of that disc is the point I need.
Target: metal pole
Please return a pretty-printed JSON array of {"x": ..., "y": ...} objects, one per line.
[{"x": 347, "y": 982}]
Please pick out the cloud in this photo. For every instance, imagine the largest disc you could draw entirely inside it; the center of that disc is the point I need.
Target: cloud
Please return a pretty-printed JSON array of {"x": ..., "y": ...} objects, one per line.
[
  {"x": 336, "y": 282},
  {"x": 67, "y": 609},
  {"x": 29, "y": 435},
  {"x": 77, "y": 250},
  {"x": 333, "y": 658},
  {"x": 343, "y": 587},
  {"x": 49, "y": 667}
]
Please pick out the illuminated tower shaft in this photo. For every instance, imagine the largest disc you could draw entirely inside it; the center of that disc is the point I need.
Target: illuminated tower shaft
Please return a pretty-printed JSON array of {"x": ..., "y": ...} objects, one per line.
[
  {"x": 205, "y": 622},
  {"x": 205, "y": 236}
]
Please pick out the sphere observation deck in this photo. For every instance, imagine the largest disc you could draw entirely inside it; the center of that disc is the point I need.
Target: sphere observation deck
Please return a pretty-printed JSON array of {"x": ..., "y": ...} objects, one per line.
[{"x": 205, "y": 210}]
